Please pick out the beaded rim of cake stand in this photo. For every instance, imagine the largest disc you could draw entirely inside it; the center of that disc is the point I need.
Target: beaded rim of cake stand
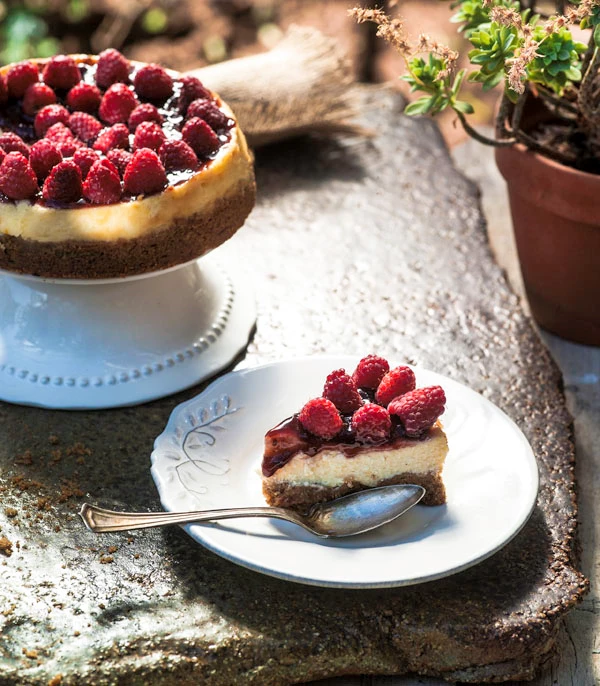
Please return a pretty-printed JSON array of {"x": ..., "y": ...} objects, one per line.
[{"x": 197, "y": 348}]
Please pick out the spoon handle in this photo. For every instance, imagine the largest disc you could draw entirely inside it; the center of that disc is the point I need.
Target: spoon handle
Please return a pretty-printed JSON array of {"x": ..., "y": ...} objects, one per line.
[{"x": 100, "y": 520}]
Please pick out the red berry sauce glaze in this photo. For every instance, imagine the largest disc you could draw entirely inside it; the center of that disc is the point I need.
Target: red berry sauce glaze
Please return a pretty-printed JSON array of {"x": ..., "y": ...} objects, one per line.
[{"x": 152, "y": 95}]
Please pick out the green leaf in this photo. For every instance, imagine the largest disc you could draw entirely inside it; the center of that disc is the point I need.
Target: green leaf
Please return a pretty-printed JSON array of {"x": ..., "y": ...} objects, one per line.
[
  {"x": 597, "y": 36},
  {"x": 463, "y": 106},
  {"x": 420, "y": 106},
  {"x": 458, "y": 81}
]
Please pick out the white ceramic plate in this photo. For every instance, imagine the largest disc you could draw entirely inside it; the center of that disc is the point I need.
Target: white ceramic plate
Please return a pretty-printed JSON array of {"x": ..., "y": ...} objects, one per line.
[{"x": 210, "y": 455}]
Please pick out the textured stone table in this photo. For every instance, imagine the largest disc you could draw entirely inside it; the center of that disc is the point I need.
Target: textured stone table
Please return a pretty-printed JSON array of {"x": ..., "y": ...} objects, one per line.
[{"x": 357, "y": 246}]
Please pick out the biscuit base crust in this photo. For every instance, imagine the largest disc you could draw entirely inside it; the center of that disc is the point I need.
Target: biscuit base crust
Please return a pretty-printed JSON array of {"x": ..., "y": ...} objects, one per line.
[
  {"x": 301, "y": 496},
  {"x": 186, "y": 239}
]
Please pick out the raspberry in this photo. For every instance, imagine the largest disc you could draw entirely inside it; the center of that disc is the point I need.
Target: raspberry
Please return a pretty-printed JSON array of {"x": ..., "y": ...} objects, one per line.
[
  {"x": 63, "y": 185},
  {"x": 191, "y": 89},
  {"x": 3, "y": 89},
  {"x": 397, "y": 382},
  {"x": 19, "y": 77},
  {"x": 17, "y": 178},
  {"x": 419, "y": 409},
  {"x": 369, "y": 371},
  {"x": 120, "y": 158},
  {"x": 212, "y": 115},
  {"x": 2, "y": 155},
  {"x": 63, "y": 138},
  {"x": 148, "y": 135},
  {"x": 200, "y": 137},
  {"x": 84, "y": 97},
  {"x": 152, "y": 82},
  {"x": 84, "y": 126},
  {"x": 116, "y": 136},
  {"x": 112, "y": 67},
  {"x": 371, "y": 423},
  {"x": 340, "y": 389},
  {"x": 10, "y": 142},
  {"x": 176, "y": 155},
  {"x": 43, "y": 155},
  {"x": 321, "y": 418},
  {"x": 144, "y": 112},
  {"x": 102, "y": 185},
  {"x": 84, "y": 158},
  {"x": 117, "y": 104},
  {"x": 61, "y": 72},
  {"x": 36, "y": 96},
  {"x": 145, "y": 173},
  {"x": 47, "y": 116}
]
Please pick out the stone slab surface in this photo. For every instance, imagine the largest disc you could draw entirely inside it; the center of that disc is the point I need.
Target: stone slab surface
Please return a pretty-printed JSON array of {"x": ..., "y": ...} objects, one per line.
[{"x": 357, "y": 246}]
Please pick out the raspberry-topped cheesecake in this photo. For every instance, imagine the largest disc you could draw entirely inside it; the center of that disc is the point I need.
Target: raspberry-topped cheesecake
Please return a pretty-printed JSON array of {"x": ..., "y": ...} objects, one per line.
[
  {"x": 368, "y": 429},
  {"x": 111, "y": 168}
]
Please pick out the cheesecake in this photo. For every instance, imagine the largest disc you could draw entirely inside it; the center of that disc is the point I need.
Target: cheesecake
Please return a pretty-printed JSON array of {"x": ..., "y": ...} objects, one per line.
[
  {"x": 372, "y": 428},
  {"x": 111, "y": 168}
]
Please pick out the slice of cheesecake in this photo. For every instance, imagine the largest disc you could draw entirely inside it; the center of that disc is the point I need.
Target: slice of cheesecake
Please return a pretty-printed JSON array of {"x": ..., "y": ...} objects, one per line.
[{"x": 365, "y": 431}]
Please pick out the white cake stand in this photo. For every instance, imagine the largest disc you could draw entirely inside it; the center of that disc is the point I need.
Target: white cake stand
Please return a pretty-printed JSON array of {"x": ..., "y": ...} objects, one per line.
[{"x": 87, "y": 344}]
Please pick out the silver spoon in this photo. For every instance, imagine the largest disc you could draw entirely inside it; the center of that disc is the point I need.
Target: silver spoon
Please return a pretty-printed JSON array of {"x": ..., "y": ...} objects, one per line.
[{"x": 346, "y": 516}]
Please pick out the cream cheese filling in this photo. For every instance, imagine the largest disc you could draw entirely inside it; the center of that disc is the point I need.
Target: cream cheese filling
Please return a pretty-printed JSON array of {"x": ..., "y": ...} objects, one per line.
[
  {"x": 224, "y": 176},
  {"x": 331, "y": 468}
]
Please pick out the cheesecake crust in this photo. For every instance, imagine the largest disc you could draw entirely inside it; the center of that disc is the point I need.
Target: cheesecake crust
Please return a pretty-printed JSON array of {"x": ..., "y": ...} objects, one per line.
[
  {"x": 185, "y": 239},
  {"x": 301, "y": 496}
]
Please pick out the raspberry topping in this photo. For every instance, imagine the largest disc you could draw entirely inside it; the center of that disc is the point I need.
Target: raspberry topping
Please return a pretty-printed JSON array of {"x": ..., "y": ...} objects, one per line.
[
  {"x": 84, "y": 97},
  {"x": 47, "y": 116},
  {"x": 144, "y": 112},
  {"x": 419, "y": 409},
  {"x": 19, "y": 77},
  {"x": 191, "y": 89},
  {"x": 341, "y": 390},
  {"x": 145, "y": 173},
  {"x": 200, "y": 137},
  {"x": 84, "y": 126},
  {"x": 396, "y": 382},
  {"x": 80, "y": 121},
  {"x": 321, "y": 418},
  {"x": 117, "y": 104},
  {"x": 36, "y": 96},
  {"x": 63, "y": 138},
  {"x": 84, "y": 158},
  {"x": 63, "y": 185},
  {"x": 177, "y": 155},
  {"x": 61, "y": 72},
  {"x": 152, "y": 82},
  {"x": 208, "y": 111},
  {"x": 371, "y": 423},
  {"x": 113, "y": 67},
  {"x": 148, "y": 135},
  {"x": 17, "y": 178},
  {"x": 120, "y": 158},
  {"x": 43, "y": 155},
  {"x": 10, "y": 142},
  {"x": 369, "y": 372},
  {"x": 102, "y": 185},
  {"x": 116, "y": 136}
]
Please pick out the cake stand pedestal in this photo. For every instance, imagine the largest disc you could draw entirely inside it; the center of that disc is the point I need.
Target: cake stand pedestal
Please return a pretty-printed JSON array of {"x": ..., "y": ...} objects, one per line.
[{"x": 85, "y": 344}]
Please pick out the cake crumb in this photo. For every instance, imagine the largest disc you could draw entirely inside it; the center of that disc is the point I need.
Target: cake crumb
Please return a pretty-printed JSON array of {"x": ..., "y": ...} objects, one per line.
[
  {"x": 11, "y": 512},
  {"x": 112, "y": 549},
  {"x": 56, "y": 680},
  {"x": 6, "y": 546},
  {"x": 106, "y": 559},
  {"x": 53, "y": 439},
  {"x": 77, "y": 633},
  {"x": 30, "y": 653}
]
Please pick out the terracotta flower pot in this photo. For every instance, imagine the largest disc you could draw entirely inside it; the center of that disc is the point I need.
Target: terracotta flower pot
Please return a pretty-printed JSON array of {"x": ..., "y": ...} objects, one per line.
[{"x": 556, "y": 220}]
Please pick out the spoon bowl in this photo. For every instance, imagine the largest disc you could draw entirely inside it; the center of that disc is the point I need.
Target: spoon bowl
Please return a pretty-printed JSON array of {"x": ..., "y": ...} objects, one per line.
[{"x": 346, "y": 516}]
